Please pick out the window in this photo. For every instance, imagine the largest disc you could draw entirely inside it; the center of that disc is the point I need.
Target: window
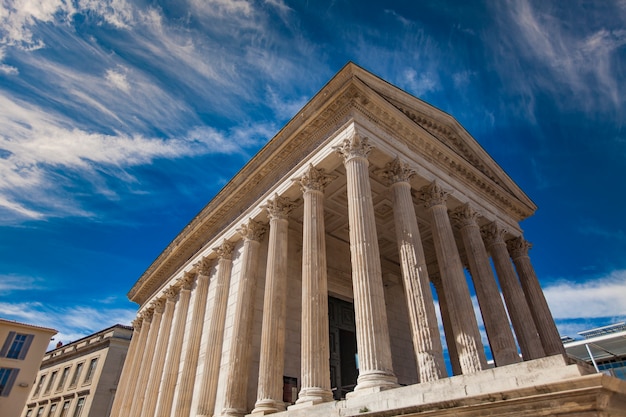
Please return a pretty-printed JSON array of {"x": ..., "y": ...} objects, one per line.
[
  {"x": 65, "y": 409},
  {"x": 7, "y": 378},
  {"x": 64, "y": 375},
  {"x": 39, "y": 385},
  {"x": 77, "y": 372},
  {"x": 52, "y": 411},
  {"x": 53, "y": 376},
  {"x": 16, "y": 345},
  {"x": 90, "y": 371},
  {"x": 29, "y": 413},
  {"x": 40, "y": 412},
  {"x": 79, "y": 407}
]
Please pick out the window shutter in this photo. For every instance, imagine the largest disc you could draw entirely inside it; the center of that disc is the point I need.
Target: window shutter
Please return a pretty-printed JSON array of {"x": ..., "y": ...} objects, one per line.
[
  {"x": 12, "y": 376},
  {"x": 7, "y": 344},
  {"x": 26, "y": 346}
]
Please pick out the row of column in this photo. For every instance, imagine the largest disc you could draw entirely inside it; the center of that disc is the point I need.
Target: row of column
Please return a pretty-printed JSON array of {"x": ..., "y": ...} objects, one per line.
[{"x": 151, "y": 374}]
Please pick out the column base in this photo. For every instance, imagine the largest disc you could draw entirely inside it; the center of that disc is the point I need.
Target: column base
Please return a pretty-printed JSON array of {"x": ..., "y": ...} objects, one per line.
[
  {"x": 232, "y": 412},
  {"x": 311, "y": 396},
  {"x": 267, "y": 406},
  {"x": 374, "y": 381}
]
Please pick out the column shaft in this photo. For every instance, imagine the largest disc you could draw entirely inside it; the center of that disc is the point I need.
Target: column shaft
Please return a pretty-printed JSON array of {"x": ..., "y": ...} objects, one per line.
[
  {"x": 239, "y": 365},
  {"x": 215, "y": 335},
  {"x": 272, "y": 361},
  {"x": 146, "y": 361},
  {"x": 315, "y": 386},
  {"x": 497, "y": 327},
  {"x": 125, "y": 376},
  {"x": 172, "y": 360},
  {"x": 521, "y": 318},
  {"x": 419, "y": 297},
  {"x": 156, "y": 371},
  {"x": 462, "y": 317},
  {"x": 549, "y": 334},
  {"x": 129, "y": 395},
  {"x": 372, "y": 332},
  {"x": 188, "y": 375}
]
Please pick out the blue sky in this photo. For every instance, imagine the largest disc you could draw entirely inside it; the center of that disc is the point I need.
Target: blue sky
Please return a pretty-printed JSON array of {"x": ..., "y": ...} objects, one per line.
[{"x": 120, "y": 120}]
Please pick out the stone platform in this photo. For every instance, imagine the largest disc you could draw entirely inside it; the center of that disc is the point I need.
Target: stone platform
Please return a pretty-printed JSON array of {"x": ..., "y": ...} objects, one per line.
[{"x": 544, "y": 387}]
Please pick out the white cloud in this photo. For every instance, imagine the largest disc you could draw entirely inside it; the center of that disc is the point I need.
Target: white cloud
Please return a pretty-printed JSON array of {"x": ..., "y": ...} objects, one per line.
[
  {"x": 420, "y": 83},
  {"x": 593, "y": 298},
  {"x": 118, "y": 80},
  {"x": 12, "y": 282},
  {"x": 72, "y": 323}
]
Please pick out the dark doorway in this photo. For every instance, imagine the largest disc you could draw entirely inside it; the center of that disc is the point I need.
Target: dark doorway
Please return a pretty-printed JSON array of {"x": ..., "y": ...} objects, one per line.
[{"x": 343, "y": 351}]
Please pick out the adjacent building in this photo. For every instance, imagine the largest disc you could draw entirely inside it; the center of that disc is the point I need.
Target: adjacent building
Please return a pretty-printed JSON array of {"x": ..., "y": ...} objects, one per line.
[
  {"x": 309, "y": 285},
  {"x": 21, "y": 348},
  {"x": 80, "y": 379},
  {"x": 604, "y": 348}
]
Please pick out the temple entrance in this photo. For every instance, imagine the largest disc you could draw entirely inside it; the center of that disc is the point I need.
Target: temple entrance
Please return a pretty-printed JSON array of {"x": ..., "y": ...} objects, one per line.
[{"x": 343, "y": 350}]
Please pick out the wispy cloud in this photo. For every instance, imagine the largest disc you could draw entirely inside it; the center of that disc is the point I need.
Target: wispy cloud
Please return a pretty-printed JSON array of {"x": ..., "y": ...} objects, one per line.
[{"x": 593, "y": 298}]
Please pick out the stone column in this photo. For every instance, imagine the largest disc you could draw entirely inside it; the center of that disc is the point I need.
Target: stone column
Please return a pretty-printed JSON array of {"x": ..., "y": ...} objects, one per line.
[
  {"x": 419, "y": 297},
  {"x": 215, "y": 335},
  {"x": 146, "y": 361},
  {"x": 125, "y": 376},
  {"x": 188, "y": 375},
  {"x": 272, "y": 361},
  {"x": 239, "y": 365},
  {"x": 548, "y": 333},
  {"x": 129, "y": 395},
  {"x": 372, "y": 332},
  {"x": 447, "y": 326},
  {"x": 172, "y": 360},
  {"x": 462, "y": 318},
  {"x": 156, "y": 371},
  {"x": 315, "y": 386},
  {"x": 501, "y": 340},
  {"x": 516, "y": 304}
]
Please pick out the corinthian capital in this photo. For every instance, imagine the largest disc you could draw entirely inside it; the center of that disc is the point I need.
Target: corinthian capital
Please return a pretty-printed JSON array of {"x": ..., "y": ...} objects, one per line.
[
  {"x": 137, "y": 323},
  {"x": 189, "y": 277},
  {"x": 354, "y": 147},
  {"x": 493, "y": 234},
  {"x": 433, "y": 195},
  {"x": 279, "y": 207},
  {"x": 225, "y": 250},
  {"x": 252, "y": 230},
  {"x": 158, "y": 305},
  {"x": 397, "y": 171},
  {"x": 465, "y": 216},
  {"x": 204, "y": 266},
  {"x": 314, "y": 179},
  {"x": 171, "y": 293},
  {"x": 518, "y": 247}
]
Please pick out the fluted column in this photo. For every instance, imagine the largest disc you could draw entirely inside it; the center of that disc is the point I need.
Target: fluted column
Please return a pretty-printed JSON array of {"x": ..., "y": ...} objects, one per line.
[
  {"x": 172, "y": 360},
  {"x": 501, "y": 340},
  {"x": 146, "y": 360},
  {"x": 239, "y": 365},
  {"x": 125, "y": 376},
  {"x": 462, "y": 317},
  {"x": 550, "y": 338},
  {"x": 215, "y": 335},
  {"x": 188, "y": 375},
  {"x": 419, "y": 297},
  {"x": 272, "y": 361},
  {"x": 372, "y": 332},
  {"x": 156, "y": 371},
  {"x": 129, "y": 395},
  {"x": 447, "y": 326},
  {"x": 521, "y": 318},
  {"x": 315, "y": 386}
]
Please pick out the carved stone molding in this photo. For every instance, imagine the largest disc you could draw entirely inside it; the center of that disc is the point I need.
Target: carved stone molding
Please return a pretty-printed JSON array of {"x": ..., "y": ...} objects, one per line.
[
  {"x": 433, "y": 195},
  {"x": 354, "y": 147},
  {"x": 493, "y": 234},
  {"x": 279, "y": 207},
  {"x": 314, "y": 179},
  {"x": 397, "y": 171},
  {"x": 518, "y": 247},
  {"x": 252, "y": 230},
  {"x": 465, "y": 216},
  {"x": 225, "y": 250}
]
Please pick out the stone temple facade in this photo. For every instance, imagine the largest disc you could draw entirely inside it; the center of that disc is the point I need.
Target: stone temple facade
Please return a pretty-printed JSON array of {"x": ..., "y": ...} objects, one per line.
[{"x": 310, "y": 285}]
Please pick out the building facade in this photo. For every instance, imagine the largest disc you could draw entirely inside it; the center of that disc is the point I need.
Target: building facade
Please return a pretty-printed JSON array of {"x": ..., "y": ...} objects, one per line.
[
  {"x": 307, "y": 286},
  {"x": 80, "y": 379},
  {"x": 21, "y": 348}
]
